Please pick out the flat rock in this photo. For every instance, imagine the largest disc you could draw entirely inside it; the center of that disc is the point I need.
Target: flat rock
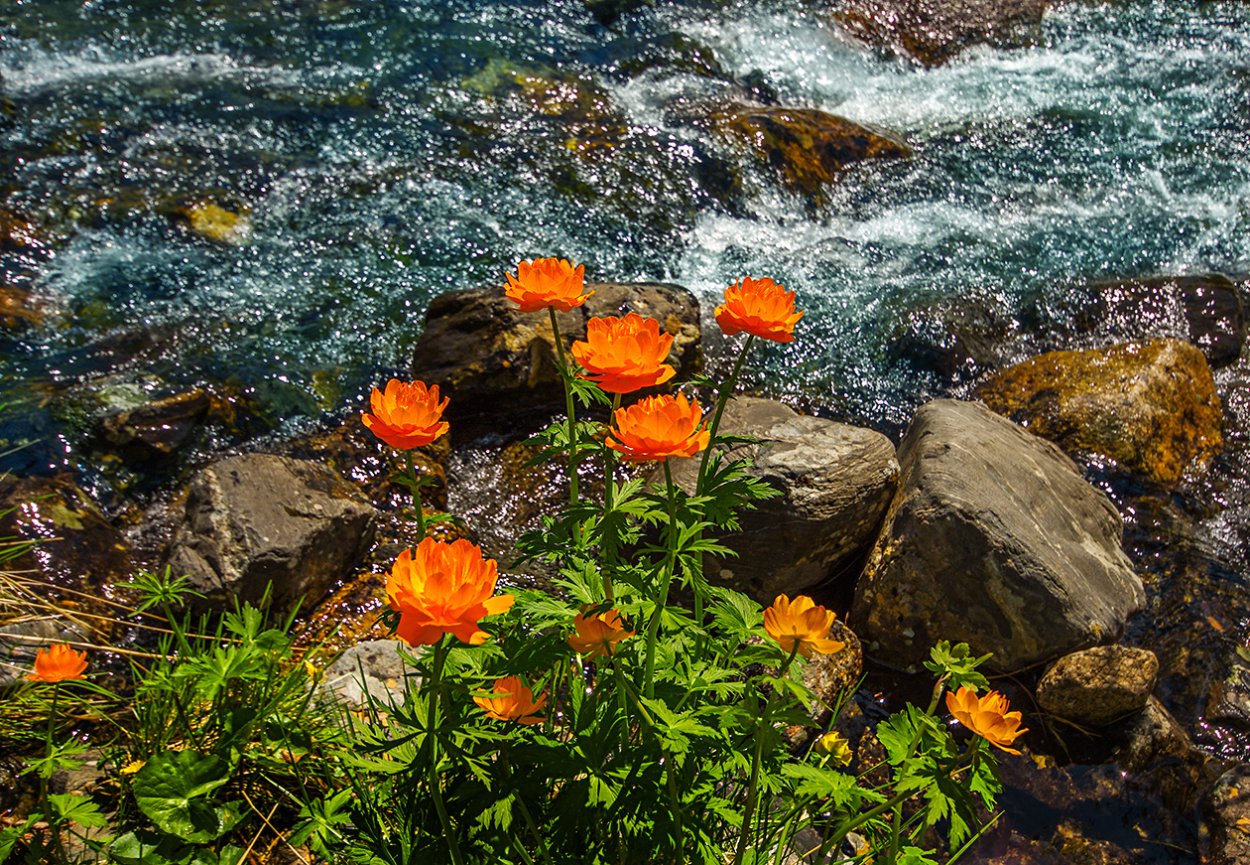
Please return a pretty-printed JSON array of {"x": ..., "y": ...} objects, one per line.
[
  {"x": 934, "y": 31},
  {"x": 1226, "y": 811},
  {"x": 1096, "y": 686},
  {"x": 835, "y": 480},
  {"x": 260, "y": 522},
  {"x": 993, "y": 539},
  {"x": 498, "y": 365},
  {"x": 1150, "y": 406},
  {"x": 373, "y": 667},
  {"x": 157, "y": 428}
]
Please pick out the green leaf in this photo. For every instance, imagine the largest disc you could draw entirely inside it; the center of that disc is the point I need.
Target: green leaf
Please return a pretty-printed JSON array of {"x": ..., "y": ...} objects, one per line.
[
  {"x": 173, "y": 791},
  {"x": 78, "y": 809}
]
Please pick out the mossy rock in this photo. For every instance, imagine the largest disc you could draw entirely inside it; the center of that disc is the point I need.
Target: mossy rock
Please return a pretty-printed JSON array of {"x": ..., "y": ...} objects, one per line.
[
  {"x": 215, "y": 223},
  {"x": 809, "y": 148},
  {"x": 1150, "y": 406}
]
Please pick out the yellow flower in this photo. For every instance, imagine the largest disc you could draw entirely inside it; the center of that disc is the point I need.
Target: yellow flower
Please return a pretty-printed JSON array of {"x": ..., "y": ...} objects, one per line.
[
  {"x": 597, "y": 635},
  {"x": 835, "y": 746},
  {"x": 803, "y": 624},
  {"x": 986, "y": 716},
  {"x": 133, "y": 766},
  {"x": 547, "y": 282},
  {"x": 512, "y": 701}
]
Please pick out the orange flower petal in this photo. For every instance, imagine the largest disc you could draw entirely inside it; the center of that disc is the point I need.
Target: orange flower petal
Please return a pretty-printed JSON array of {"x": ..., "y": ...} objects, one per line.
[
  {"x": 406, "y": 415},
  {"x": 759, "y": 307},
  {"x": 58, "y": 663},
  {"x": 547, "y": 282}
]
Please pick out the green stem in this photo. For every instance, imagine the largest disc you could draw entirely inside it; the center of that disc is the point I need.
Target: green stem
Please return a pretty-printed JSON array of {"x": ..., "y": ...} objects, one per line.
[
  {"x": 753, "y": 789},
  {"x": 722, "y": 398},
  {"x": 436, "y": 790},
  {"x": 45, "y": 803},
  {"x": 525, "y": 811},
  {"x": 610, "y": 538},
  {"x": 670, "y": 561},
  {"x": 416, "y": 495},
  {"x": 568, "y": 406}
]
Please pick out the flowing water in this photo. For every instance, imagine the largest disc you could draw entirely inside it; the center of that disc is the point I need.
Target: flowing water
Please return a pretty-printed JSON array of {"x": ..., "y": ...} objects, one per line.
[{"x": 383, "y": 152}]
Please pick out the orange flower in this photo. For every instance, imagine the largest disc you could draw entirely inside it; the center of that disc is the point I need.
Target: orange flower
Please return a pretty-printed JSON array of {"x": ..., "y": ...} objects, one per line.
[
  {"x": 58, "y": 663},
  {"x": 761, "y": 307},
  {"x": 406, "y": 416},
  {"x": 658, "y": 427},
  {"x": 986, "y": 716},
  {"x": 801, "y": 623},
  {"x": 623, "y": 355},
  {"x": 512, "y": 701},
  {"x": 547, "y": 282},
  {"x": 444, "y": 589},
  {"x": 597, "y": 635}
]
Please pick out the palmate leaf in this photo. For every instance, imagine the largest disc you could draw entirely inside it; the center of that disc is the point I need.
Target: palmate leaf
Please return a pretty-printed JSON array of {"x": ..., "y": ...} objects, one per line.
[
  {"x": 78, "y": 809},
  {"x": 173, "y": 790}
]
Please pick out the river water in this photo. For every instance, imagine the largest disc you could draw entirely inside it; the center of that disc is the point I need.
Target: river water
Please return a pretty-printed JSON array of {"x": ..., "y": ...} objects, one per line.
[{"x": 385, "y": 152}]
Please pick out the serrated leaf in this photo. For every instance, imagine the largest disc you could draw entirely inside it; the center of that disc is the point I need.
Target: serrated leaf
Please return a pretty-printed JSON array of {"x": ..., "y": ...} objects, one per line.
[{"x": 78, "y": 809}]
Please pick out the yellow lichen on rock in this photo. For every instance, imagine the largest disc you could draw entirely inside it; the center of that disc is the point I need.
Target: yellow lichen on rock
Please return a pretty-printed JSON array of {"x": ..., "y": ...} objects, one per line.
[
  {"x": 1150, "y": 406},
  {"x": 218, "y": 224}
]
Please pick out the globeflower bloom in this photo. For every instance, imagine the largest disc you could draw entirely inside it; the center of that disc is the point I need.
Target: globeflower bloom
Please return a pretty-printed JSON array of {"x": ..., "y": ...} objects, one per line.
[
  {"x": 986, "y": 716},
  {"x": 623, "y": 355},
  {"x": 760, "y": 307},
  {"x": 58, "y": 663},
  {"x": 512, "y": 701},
  {"x": 406, "y": 416},
  {"x": 441, "y": 589},
  {"x": 547, "y": 282},
  {"x": 836, "y": 747},
  {"x": 597, "y": 635},
  {"x": 658, "y": 427},
  {"x": 801, "y": 623}
]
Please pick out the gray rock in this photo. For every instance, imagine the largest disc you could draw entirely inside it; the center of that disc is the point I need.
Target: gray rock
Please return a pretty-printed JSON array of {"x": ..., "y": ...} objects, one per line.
[
  {"x": 258, "y": 522},
  {"x": 373, "y": 667},
  {"x": 1226, "y": 810},
  {"x": 490, "y": 358},
  {"x": 1150, "y": 736},
  {"x": 994, "y": 539},
  {"x": 1096, "y": 686},
  {"x": 836, "y": 481}
]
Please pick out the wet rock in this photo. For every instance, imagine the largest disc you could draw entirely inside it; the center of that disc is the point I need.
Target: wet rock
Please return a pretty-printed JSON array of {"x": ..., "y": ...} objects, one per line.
[
  {"x": 499, "y": 365},
  {"x": 156, "y": 429},
  {"x": 993, "y": 538},
  {"x": 1150, "y": 736},
  {"x": 215, "y": 223},
  {"x": 258, "y": 522},
  {"x": 1226, "y": 810},
  {"x": 19, "y": 309},
  {"x": 934, "y": 31},
  {"x": 1206, "y": 310},
  {"x": 1228, "y": 703},
  {"x": 831, "y": 679},
  {"x": 76, "y": 549},
  {"x": 18, "y": 235},
  {"x": 373, "y": 667},
  {"x": 1152, "y": 407},
  {"x": 954, "y": 339},
  {"x": 835, "y": 482},
  {"x": 1096, "y": 686},
  {"x": 808, "y": 148}
]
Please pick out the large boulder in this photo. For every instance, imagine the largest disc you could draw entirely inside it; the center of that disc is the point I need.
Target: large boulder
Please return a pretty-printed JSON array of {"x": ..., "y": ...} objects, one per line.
[
  {"x": 1152, "y": 407},
  {"x": 835, "y": 482},
  {"x": 498, "y": 365},
  {"x": 258, "y": 522},
  {"x": 994, "y": 539},
  {"x": 934, "y": 31},
  {"x": 1099, "y": 685}
]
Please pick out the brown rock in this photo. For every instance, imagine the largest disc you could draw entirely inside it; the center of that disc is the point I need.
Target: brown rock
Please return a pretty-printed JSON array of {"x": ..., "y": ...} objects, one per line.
[
  {"x": 1152, "y": 407},
  {"x": 217, "y": 224},
  {"x": 1227, "y": 813},
  {"x": 807, "y": 147},
  {"x": 157, "y": 428},
  {"x": 18, "y": 235},
  {"x": 934, "y": 31},
  {"x": 18, "y": 308},
  {"x": 499, "y": 365},
  {"x": 831, "y": 678},
  {"x": 1096, "y": 686}
]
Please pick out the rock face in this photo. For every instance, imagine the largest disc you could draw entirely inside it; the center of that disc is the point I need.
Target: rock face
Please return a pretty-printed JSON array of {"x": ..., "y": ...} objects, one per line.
[
  {"x": 498, "y": 365},
  {"x": 835, "y": 482},
  {"x": 994, "y": 539},
  {"x": 373, "y": 667},
  {"x": 1099, "y": 685},
  {"x": 934, "y": 31},
  {"x": 809, "y": 148},
  {"x": 1152, "y": 407},
  {"x": 257, "y": 520},
  {"x": 1227, "y": 813}
]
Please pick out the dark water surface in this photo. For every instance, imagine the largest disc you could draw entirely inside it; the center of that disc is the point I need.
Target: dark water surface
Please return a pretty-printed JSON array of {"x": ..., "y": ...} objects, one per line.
[{"x": 384, "y": 152}]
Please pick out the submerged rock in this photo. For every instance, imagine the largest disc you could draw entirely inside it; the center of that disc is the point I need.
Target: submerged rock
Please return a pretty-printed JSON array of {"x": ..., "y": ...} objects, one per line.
[
  {"x": 954, "y": 338},
  {"x": 1097, "y": 686},
  {"x": 1226, "y": 810},
  {"x": 19, "y": 309},
  {"x": 256, "y": 523},
  {"x": 807, "y": 147},
  {"x": 499, "y": 365},
  {"x": 835, "y": 482},
  {"x": 1152, "y": 407},
  {"x": 215, "y": 223},
  {"x": 995, "y": 539},
  {"x": 934, "y": 31},
  {"x": 158, "y": 428}
]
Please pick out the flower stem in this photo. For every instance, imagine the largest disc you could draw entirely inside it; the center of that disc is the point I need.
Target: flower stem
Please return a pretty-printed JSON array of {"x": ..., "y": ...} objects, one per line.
[
  {"x": 568, "y": 406},
  {"x": 45, "y": 804},
  {"x": 609, "y": 536},
  {"x": 670, "y": 561},
  {"x": 753, "y": 788},
  {"x": 416, "y": 495},
  {"x": 436, "y": 790},
  {"x": 722, "y": 398}
]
